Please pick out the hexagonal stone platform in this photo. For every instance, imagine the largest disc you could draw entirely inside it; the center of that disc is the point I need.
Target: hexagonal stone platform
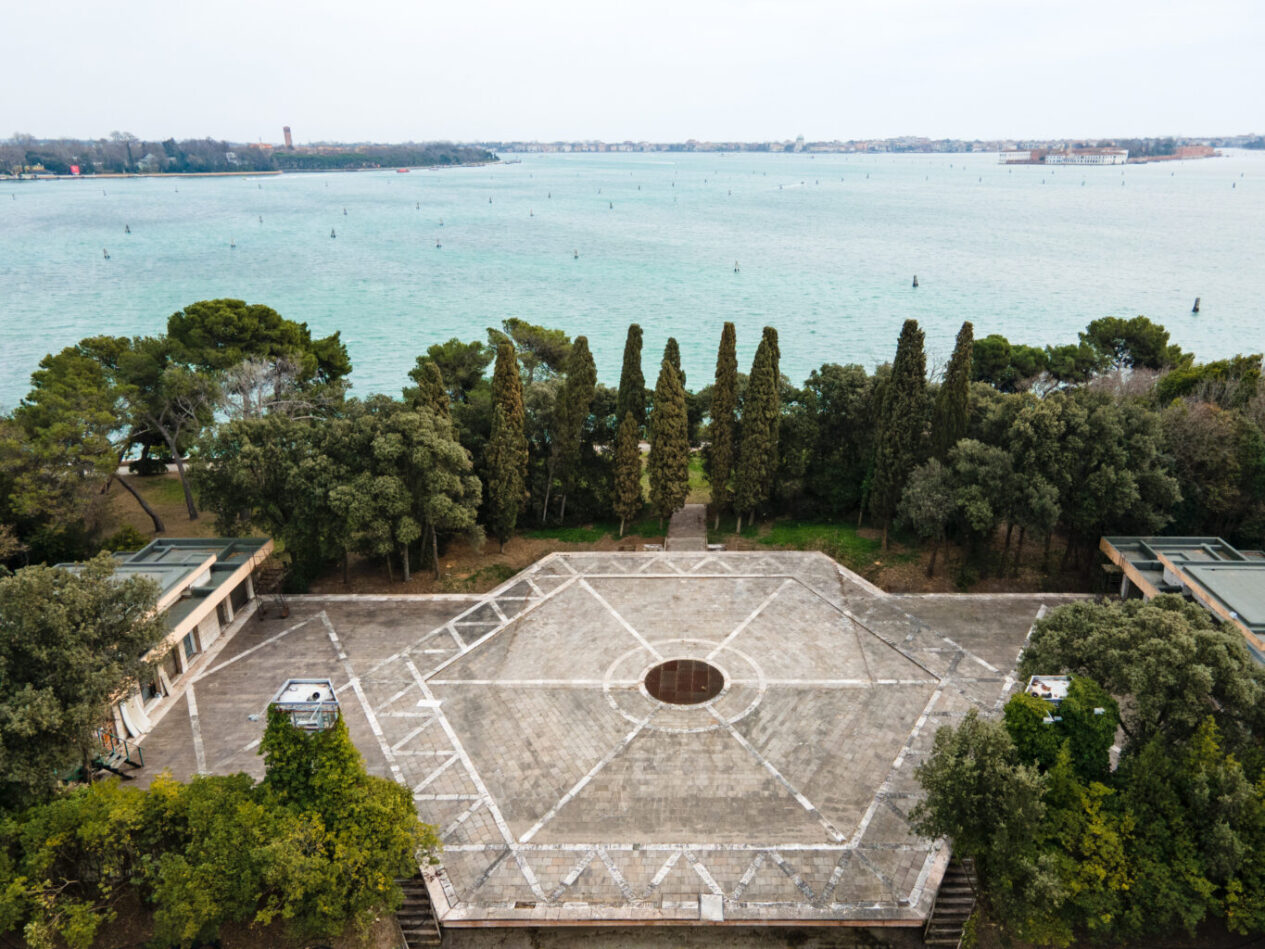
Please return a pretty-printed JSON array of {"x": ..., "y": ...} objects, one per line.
[{"x": 564, "y": 791}]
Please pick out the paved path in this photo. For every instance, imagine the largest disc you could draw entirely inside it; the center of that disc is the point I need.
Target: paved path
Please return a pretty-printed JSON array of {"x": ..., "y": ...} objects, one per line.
[{"x": 688, "y": 528}]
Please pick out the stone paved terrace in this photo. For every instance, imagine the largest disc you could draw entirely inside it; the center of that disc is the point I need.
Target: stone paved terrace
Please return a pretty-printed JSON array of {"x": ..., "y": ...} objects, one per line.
[{"x": 565, "y": 793}]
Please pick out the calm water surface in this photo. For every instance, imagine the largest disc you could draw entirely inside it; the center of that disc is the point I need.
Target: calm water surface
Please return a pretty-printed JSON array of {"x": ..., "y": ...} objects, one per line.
[{"x": 826, "y": 250}]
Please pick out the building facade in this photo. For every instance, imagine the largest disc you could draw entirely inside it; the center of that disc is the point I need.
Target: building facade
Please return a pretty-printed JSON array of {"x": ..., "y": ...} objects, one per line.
[{"x": 204, "y": 584}]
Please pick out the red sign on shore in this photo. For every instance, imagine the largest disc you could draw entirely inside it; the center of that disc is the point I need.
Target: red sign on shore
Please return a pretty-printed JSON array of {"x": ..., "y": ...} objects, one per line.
[{"x": 74, "y": 169}]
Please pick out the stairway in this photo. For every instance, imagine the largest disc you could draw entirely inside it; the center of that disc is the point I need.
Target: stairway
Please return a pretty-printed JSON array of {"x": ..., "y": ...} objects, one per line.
[
  {"x": 416, "y": 916},
  {"x": 955, "y": 901},
  {"x": 688, "y": 528}
]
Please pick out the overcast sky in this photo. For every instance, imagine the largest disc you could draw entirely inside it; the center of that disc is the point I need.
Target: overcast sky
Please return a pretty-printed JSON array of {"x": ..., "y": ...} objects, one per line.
[{"x": 663, "y": 70}]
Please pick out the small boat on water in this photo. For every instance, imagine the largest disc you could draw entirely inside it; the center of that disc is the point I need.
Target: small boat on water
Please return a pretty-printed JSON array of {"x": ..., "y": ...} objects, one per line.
[
  {"x": 105, "y": 253},
  {"x": 331, "y": 233},
  {"x": 575, "y": 255},
  {"x": 127, "y": 229},
  {"x": 401, "y": 171}
]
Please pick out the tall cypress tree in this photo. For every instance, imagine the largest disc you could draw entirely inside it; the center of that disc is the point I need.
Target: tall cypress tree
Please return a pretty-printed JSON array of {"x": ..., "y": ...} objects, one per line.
[
  {"x": 724, "y": 404},
  {"x": 761, "y": 417},
  {"x": 627, "y": 499},
  {"x": 505, "y": 478},
  {"x": 507, "y": 393},
  {"x": 669, "y": 443},
  {"x": 899, "y": 432},
  {"x": 429, "y": 392},
  {"x": 949, "y": 418},
  {"x": 672, "y": 353},
  {"x": 574, "y": 401},
  {"x": 632, "y": 384}
]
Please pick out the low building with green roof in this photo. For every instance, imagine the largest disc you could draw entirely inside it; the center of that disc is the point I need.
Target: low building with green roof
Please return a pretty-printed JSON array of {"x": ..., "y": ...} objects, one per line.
[
  {"x": 204, "y": 583},
  {"x": 1229, "y": 583}
]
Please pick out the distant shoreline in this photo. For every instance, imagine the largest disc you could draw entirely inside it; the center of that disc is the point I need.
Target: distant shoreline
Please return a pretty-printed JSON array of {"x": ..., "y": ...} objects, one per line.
[{"x": 238, "y": 174}]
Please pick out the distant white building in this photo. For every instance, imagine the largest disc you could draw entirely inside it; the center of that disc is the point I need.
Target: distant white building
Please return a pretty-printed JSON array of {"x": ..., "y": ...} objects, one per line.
[
  {"x": 1063, "y": 156},
  {"x": 1088, "y": 156}
]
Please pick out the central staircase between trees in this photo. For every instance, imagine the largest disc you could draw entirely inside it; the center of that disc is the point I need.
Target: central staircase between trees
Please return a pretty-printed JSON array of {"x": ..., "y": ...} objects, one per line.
[{"x": 688, "y": 528}]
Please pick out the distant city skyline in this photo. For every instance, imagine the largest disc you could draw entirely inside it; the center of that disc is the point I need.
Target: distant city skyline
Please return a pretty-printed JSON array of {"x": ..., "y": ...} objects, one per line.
[{"x": 712, "y": 70}]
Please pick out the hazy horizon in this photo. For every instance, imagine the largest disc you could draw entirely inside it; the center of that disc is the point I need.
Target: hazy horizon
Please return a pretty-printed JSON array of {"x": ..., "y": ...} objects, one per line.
[
  {"x": 234, "y": 139},
  {"x": 713, "y": 70}
]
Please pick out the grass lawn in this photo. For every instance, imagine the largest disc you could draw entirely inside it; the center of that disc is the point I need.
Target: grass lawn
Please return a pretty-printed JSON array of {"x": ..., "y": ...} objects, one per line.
[
  {"x": 843, "y": 542},
  {"x": 700, "y": 489},
  {"x": 164, "y": 494},
  {"x": 647, "y": 528}
]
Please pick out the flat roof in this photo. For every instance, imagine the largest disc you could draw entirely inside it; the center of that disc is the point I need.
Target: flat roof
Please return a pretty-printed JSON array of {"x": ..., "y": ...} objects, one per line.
[
  {"x": 174, "y": 563},
  {"x": 1228, "y": 581},
  {"x": 775, "y": 787}
]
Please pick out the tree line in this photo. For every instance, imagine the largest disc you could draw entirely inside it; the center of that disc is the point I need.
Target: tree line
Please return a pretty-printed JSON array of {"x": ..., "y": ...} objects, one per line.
[
  {"x": 125, "y": 154},
  {"x": 1005, "y": 446},
  {"x": 1072, "y": 846}
]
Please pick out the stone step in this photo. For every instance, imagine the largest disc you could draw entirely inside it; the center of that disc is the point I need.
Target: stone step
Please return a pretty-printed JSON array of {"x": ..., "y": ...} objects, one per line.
[{"x": 416, "y": 915}]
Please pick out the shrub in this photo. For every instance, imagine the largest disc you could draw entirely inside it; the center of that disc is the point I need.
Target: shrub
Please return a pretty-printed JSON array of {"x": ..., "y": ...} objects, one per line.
[{"x": 126, "y": 537}]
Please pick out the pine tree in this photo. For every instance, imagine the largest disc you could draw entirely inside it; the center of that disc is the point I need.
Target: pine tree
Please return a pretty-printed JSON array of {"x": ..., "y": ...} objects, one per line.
[
  {"x": 669, "y": 443},
  {"x": 574, "y": 401},
  {"x": 672, "y": 353},
  {"x": 724, "y": 403},
  {"x": 628, "y": 501},
  {"x": 429, "y": 392},
  {"x": 505, "y": 477},
  {"x": 948, "y": 420},
  {"x": 902, "y": 414},
  {"x": 761, "y": 415},
  {"x": 632, "y": 384}
]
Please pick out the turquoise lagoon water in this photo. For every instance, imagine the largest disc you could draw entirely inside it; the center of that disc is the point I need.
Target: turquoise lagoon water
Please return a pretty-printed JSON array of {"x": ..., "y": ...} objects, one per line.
[{"x": 826, "y": 249}]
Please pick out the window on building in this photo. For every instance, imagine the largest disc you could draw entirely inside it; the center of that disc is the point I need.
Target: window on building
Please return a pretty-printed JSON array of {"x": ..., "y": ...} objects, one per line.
[{"x": 191, "y": 645}]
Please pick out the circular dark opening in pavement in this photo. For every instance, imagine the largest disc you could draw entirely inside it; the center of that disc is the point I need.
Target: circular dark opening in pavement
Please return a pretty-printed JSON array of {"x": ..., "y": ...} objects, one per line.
[{"x": 684, "y": 681}]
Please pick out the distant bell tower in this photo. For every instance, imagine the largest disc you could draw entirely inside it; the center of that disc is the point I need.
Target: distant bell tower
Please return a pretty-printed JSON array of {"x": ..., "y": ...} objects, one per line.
[{"x": 289, "y": 140}]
